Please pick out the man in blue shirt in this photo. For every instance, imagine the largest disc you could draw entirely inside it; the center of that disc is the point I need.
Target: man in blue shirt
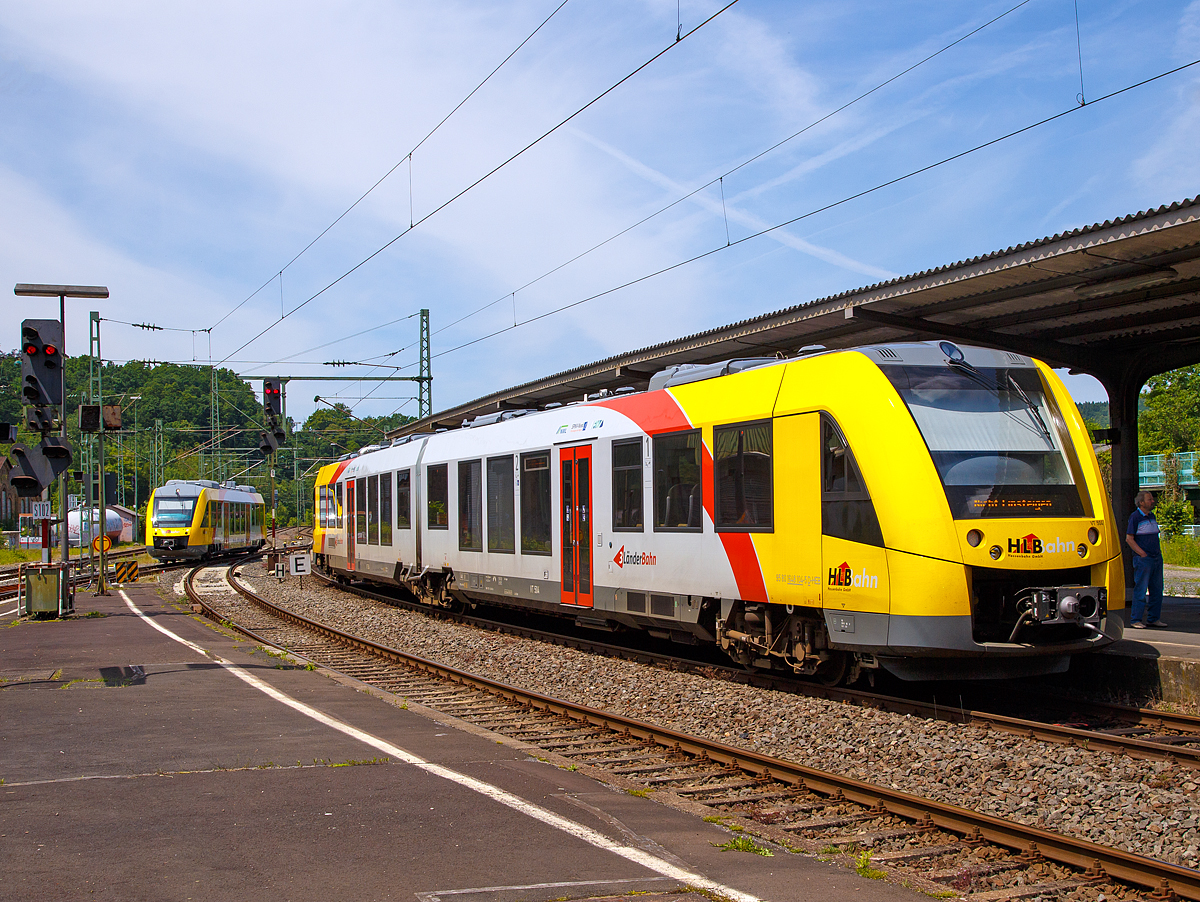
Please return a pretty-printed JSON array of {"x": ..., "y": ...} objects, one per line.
[{"x": 1142, "y": 536}]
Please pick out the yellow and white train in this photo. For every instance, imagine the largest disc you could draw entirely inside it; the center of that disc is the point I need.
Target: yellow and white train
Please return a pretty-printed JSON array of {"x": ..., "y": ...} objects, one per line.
[
  {"x": 931, "y": 509},
  {"x": 201, "y": 518}
]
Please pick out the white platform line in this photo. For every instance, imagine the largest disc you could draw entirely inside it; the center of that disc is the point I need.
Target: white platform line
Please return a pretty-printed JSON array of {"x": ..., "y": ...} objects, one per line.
[
  {"x": 436, "y": 895},
  {"x": 495, "y": 793}
]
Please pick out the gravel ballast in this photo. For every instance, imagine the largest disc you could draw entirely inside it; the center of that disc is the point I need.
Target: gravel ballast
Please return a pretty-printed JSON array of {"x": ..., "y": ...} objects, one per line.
[{"x": 1146, "y": 807}]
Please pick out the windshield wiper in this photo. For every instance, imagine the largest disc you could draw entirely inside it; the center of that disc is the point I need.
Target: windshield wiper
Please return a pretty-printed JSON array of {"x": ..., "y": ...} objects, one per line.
[
  {"x": 977, "y": 377},
  {"x": 1032, "y": 408}
]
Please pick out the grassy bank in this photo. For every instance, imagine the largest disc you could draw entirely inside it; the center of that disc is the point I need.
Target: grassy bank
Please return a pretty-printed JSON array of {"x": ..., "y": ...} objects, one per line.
[{"x": 1181, "y": 551}]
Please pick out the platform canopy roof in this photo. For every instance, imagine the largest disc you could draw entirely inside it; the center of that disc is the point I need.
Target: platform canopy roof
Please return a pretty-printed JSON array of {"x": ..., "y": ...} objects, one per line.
[{"x": 1119, "y": 300}]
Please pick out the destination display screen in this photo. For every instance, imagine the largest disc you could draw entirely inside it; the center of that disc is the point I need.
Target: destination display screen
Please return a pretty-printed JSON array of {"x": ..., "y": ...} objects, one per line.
[{"x": 997, "y": 439}]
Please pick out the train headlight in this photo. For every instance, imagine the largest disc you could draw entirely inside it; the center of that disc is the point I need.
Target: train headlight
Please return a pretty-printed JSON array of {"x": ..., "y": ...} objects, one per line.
[
  {"x": 974, "y": 537},
  {"x": 1094, "y": 536},
  {"x": 995, "y": 552},
  {"x": 1082, "y": 549}
]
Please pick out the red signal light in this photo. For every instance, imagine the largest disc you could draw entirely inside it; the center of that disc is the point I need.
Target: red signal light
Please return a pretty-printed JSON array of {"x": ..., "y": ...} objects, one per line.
[
  {"x": 31, "y": 350},
  {"x": 51, "y": 350}
]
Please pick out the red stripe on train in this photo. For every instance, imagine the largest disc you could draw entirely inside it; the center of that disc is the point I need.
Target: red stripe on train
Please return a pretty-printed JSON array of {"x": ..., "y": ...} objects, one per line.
[{"x": 659, "y": 412}]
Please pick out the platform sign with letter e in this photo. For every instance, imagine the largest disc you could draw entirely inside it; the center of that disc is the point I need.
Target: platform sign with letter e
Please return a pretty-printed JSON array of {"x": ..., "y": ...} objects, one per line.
[{"x": 299, "y": 564}]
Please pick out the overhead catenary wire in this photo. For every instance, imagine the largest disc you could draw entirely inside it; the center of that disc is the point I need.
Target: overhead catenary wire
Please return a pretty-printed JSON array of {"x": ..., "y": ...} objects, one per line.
[
  {"x": 825, "y": 207},
  {"x": 484, "y": 177},
  {"x": 758, "y": 156},
  {"x": 384, "y": 177}
]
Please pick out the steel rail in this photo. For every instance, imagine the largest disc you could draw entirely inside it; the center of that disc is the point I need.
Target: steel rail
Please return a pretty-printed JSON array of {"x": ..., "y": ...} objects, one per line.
[{"x": 974, "y": 826}]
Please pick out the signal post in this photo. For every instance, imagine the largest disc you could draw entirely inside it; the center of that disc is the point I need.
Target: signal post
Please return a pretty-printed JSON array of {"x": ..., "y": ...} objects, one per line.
[
  {"x": 43, "y": 387},
  {"x": 273, "y": 435}
]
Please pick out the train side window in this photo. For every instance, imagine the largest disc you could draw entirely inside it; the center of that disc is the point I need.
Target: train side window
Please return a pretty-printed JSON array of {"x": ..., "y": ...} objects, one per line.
[
  {"x": 627, "y": 486},
  {"x": 403, "y": 499},
  {"x": 360, "y": 510},
  {"x": 846, "y": 508},
  {"x": 535, "y": 503},
  {"x": 385, "y": 509},
  {"x": 678, "y": 493},
  {"x": 337, "y": 497},
  {"x": 470, "y": 502},
  {"x": 207, "y": 522},
  {"x": 373, "y": 510},
  {"x": 742, "y": 489},
  {"x": 322, "y": 506},
  {"x": 501, "y": 505},
  {"x": 438, "y": 493}
]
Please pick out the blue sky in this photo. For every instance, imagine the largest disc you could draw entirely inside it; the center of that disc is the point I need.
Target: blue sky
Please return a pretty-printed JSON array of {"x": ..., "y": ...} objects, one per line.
[{"x": 183, "y": 154}]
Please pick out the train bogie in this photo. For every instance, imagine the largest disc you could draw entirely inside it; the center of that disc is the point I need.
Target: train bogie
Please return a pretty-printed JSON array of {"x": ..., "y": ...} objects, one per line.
[{"x": 930, "y": 510}]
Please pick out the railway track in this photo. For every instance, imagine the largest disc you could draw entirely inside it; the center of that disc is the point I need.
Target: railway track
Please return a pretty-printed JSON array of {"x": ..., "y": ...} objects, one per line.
[
  {"x": 9, "y": 591},
  {"x": 9, "y": 571},
  {"x": 1137, "y": 732},
  {"x": 939, "y": 848}
]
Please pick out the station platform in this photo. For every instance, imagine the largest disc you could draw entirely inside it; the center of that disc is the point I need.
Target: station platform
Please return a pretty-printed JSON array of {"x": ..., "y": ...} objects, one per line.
[
  {"x": 190, "y": 764},
  {"x": 1149, "y": 665}
]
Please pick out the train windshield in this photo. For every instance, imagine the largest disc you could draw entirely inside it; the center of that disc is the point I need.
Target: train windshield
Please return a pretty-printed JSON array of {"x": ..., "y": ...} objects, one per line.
[
  {"x": 997, "y": 439},
  {"x": 173, "y": 512}
]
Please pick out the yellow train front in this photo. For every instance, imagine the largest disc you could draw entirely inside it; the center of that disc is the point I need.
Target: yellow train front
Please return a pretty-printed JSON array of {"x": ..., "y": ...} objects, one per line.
[
  {"x": 931, "y": 509},
  {"x": 194, "y": 519},
  {"x": 939, "y": 511}
]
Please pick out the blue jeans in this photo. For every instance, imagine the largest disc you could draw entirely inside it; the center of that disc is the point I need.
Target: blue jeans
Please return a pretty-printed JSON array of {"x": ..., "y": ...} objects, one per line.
[{"x": 1147, "y": 578}]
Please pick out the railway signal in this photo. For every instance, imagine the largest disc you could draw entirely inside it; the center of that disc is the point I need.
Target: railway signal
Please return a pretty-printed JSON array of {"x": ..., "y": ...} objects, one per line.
[
  {"x": 36, "y": 467},
  {"x": 41, "y": 362},
  {"x": 274, "y": 435},
  {"x": 273, "y": 398},
  {"x": 270, "y": 439}
]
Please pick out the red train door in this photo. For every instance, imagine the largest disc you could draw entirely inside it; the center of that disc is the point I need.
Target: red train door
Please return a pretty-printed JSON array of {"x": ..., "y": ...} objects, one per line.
[
  {"x": 351, "y": 523},
  {"x": 576, "y": 520}
]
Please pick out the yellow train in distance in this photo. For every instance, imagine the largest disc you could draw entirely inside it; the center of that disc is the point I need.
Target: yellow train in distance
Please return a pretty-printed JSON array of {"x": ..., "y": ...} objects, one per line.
[
  {"x": 193, "y": 519},
  {"x": 930, "y": 509}
]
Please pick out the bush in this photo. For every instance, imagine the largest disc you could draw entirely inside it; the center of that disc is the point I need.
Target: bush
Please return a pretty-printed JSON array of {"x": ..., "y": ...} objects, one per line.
[{"x": 1172, "y": 516}]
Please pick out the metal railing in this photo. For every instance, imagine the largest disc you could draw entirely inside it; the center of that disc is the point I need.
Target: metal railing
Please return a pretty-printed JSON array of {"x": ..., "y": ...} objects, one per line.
[{"x": 1152, "y": 469}]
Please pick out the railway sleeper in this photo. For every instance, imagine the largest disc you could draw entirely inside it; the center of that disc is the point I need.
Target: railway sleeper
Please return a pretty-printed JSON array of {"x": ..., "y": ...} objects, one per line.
[
  {"x": 1024, "y": 892},
  {"x": 829, "y": 822},
  {"x": 873, "y": 839},
  {"x": 900, "y": 856}
]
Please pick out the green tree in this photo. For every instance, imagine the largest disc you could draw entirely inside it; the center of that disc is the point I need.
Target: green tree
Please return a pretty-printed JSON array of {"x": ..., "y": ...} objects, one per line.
[{"x": 1170, "y": 420}]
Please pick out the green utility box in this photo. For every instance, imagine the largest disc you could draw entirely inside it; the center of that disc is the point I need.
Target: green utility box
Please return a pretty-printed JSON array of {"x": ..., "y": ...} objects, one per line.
[{"x": 41, "y": 588}]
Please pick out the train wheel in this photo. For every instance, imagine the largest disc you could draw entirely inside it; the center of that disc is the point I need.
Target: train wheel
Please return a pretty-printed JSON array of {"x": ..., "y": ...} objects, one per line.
[{"x": 833, "y": 671}]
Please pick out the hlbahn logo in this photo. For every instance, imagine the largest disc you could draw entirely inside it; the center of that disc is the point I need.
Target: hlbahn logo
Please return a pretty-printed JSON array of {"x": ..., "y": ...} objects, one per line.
[
  {"x": 1031, "y": 544},
  {"x": 843, "y": 575},
  {"x": 642, "y": 559}
]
